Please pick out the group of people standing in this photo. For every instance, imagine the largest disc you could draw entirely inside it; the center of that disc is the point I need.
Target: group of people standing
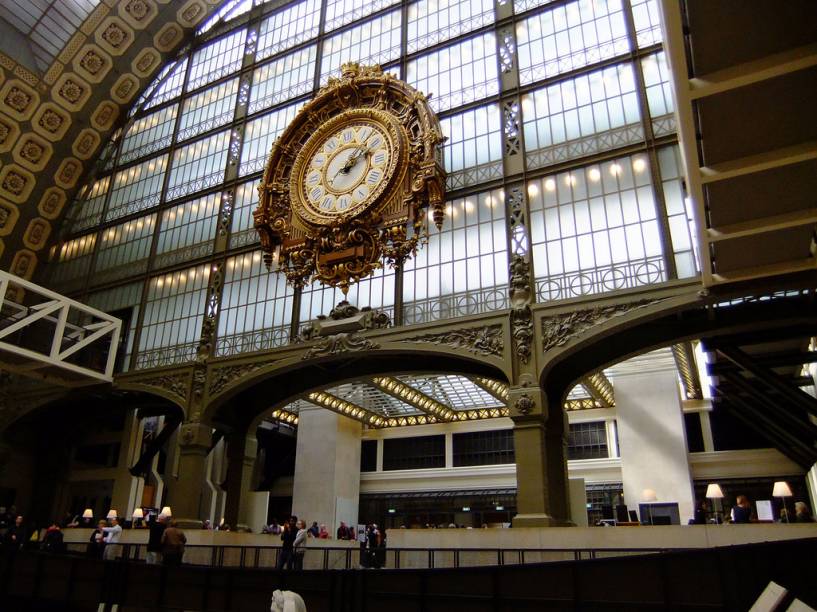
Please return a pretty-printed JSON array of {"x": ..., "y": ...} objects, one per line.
[{"x": 293, "y": 544}]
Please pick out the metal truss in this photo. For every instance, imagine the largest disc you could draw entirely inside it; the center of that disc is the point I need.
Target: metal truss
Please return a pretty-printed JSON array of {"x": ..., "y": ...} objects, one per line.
[{"x": 46, "y": 335}]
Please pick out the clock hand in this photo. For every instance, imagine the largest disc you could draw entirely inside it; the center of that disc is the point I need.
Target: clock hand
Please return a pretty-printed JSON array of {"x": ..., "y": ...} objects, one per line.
[{"x": 350, "y": 162}]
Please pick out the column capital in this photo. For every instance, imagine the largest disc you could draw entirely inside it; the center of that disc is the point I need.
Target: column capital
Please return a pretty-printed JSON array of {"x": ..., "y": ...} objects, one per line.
[
  {"x": 194, "y": 437},
  {"x": 527, "y": 403}
]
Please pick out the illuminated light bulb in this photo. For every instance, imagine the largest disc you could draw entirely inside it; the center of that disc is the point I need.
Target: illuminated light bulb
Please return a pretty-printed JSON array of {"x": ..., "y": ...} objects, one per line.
[
  {"x": 570, "y": 180},
  {"x": 468, "y": 206},
  {"x": 550, "y": 184},
  {"x": 594, "y": 174},
  {"x": 533, "y": 190},
  {"x": 615, "y": 169},
  {"x": 639, "y": 165}
]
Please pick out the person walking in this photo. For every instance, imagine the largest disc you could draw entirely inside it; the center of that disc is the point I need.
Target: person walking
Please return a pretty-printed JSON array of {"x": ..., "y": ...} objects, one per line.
[
  {"x": 157, "y": 528},
  {"x": 173, "y": 541},
  {"x": 288, "y": 535},
  {"x": 299, "y": 545}
]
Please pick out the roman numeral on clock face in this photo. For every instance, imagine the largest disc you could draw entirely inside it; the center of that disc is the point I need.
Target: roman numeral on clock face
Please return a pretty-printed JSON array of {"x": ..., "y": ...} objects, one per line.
[
  {"x": 373, "y": 177},
  {"x": 379, "y": 158},
  {"x": 316, "y": 193}
]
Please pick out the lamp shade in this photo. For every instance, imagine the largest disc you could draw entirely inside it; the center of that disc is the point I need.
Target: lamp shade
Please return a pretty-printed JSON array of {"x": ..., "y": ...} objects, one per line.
[
  {"x": 166, "y": 511},
  {"x": 137, "y": 514},
  {"x": 713, "y": 491},
  {"x": 88, "y": 513},
  {"x": 112, "y": 514},
  {"x": 781, "y": 489},
  {"x": 648, "y": 495}
]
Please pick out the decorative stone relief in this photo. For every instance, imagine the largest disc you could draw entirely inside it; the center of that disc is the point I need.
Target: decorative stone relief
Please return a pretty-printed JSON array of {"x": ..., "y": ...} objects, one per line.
[
  {"x": 191, "y": 13},
  {"x": 354, "y": 318},
  {"x": 524, "y": 404},
  {"x": 71, "y": 91},
  {"x": 18, "y": 100},
  {"x": 9, "y": 132},
  {"x": 521, "y": 315},
  {"x": 86, "y": 143},
  {"x": 51, "y": 122},
  {"x": 24, "y": 264},
  {"x": 114, "y": 36},
  {"x": 560, "y": 329},
  {"x": 477, "y": 340},
  {"x": 146, "y": 62},
  {"x": 175, "y": 384},
  {"x": 9, "y": 213},
  {"x": 226, "y": 376},
  {"x": 92, "y": 63},
  {"x": 168, "y": 37},
  {"x": 16, "y": 183},
  {"x": 52, "y": 203},
  {"x": 340, "y": 343},
  {"x": 104, "y": 115},
  {"x": 125, "y": 88},
  {"x": 138, "y": 13},
  {"x": 32, "y": 152},
  {"x": 68, "y": 172},
  {"x": 36, "y": 235}
]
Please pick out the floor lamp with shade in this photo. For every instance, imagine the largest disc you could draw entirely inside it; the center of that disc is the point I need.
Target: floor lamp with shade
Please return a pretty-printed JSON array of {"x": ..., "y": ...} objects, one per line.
[
  {"x": 715, "y": 493},
  {"x": 782, "y": 490}
]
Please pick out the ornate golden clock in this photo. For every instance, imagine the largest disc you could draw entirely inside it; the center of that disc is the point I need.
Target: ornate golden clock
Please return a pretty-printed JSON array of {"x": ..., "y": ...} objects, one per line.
[{"x": 349, "y": 181}]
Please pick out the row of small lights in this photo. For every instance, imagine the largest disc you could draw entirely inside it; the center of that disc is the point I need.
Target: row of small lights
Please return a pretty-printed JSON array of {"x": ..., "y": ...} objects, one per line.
[
  {"x": 209, "y": 203},
  {"x": 77, "y": 247},
  {"x": 179, "y": 278},
  {"x": 134, "y": 174},
  {"x": 346, "y": 408},
  {"x": 495, "y": 387},
  {"x": 151, "y": 121},
  {"x": 594, "y": 174},
  {"x": 415, "y": 397},
  {"x": 123, "y": 231}
]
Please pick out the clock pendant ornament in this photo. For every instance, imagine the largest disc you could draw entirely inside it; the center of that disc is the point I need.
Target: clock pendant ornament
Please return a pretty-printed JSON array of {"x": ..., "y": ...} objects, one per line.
[{"x": 350, "y": 181}]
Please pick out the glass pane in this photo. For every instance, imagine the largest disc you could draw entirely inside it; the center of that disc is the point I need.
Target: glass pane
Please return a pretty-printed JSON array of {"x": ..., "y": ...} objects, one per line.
[
  {"x": 217, "y": 59},
  {"x": 434, "y": 21},
  {"x": 198, "y": 165},
  {"x": 259, "y": 135},
  {"x": 372, "y": 42},
  {"x": 288, "y": 28},
  {"x": 288, "y": 77},
  {"x": 137, "y": 188},
  {"x": 208, "y": 110},
  {"x": 149, "y": 134}
]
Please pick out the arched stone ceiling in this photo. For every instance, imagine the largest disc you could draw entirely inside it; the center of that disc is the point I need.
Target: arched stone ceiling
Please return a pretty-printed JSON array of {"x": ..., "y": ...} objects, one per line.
[{"x": 52, "y": 126}]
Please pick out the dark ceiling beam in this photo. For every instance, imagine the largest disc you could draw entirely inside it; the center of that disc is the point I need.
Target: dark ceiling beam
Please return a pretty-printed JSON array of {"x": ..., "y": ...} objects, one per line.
[
  {"x": 771, "y": 379},
  {"x": 780, "y": 359},
  {"x": 777, "y": 409},
  {"x": 758, "y": 336},
  {"x": 754, "y": 417}
]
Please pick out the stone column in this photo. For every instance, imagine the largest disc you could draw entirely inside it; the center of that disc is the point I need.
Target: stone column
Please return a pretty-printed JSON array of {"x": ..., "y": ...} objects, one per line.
[
  {"x": 541, "y": 465},
  {"x": 126, "y": 487},
  {"x": 244, "y": 506},
  {"x": 327, "y": 468},
  {"x": 652, "y": 439},
  {"x": 185, "y": 497}
]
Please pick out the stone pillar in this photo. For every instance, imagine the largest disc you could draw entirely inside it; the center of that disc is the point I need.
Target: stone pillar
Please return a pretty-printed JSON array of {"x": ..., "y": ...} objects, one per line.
[
  {"x": 541, "y": 465},
  {"x": 126, "y": 487},
  {"x": 243, "y": 505},
  {"x": 652, "y": 439},
  {"x": 185, "y": 497},
  {"x": 327, "y": 468}
]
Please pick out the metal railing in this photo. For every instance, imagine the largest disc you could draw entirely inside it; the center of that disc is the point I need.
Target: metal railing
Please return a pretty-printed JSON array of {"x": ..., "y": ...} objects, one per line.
[{"x": 328, "y": 558}]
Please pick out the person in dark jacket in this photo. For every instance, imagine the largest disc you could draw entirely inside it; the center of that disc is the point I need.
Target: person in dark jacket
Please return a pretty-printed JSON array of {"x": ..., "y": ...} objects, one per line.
[
  {"x": 742, "y": 512},
  {"x": 288, "y": 535},
  {"x": 173, "y": 541},
  {"x": 96, "y": 543},
  {"x": 157, "y": 529},
  {"x": 15, "y": 537}
]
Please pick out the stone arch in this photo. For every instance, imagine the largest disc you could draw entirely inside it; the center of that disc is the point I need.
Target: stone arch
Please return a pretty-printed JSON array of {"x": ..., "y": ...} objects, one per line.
[{"x": 266, "y": 384}]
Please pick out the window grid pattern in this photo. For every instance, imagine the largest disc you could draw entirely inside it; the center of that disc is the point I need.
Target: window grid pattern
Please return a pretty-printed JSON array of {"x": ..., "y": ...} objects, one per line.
[
  {"x": 578, "y": 117},
  {"x": 376, "y": 291},
  {"x": 587, "y": 441},
  {"x": 208, "y": 110},
  {"x": 520, "y": 6},
  {"x": 415, "y": 453},
  {"x": 137, "y": 188},
  {"x": 149, "y": 134},
  {"x": 256, "y": 307},
  {"x": 117, "y": 300},
  {"x": 483, "y": 448},
  {"x": 473, "y": 149},
  {"x": 87, "y": 212},
  {"x": 173, "y": 314},
  {"x": 73, "y": 259},
  {"x": 434, "y": 21},
  {"x": 259, "y": 134},
  {"x": 341, "y": 12},
  {"x": 463, "y": 270},
  {"x": 288, "y": 28},
  {"x": 126, "y": 243},
  {"x": 659, "y": 93},
  {"x": 455, "y": 391},
  {"x": 216, "y": 60},
  {"x": 170, "y": 88},
  {"x": 372, "y": 42},
  {"x": 458, "y": 74},
  {"x": 647, "y": 21},
  {"x": 285, "y": 78},
  {"x": 570, "y": 36},
  {"x": 242, "y": 231},
  {"x": 188, "y": 230},
  {"x": 198, "y": 165},
  {"x": 679, "y": 212},
  {"x": 595, "y": 229}
]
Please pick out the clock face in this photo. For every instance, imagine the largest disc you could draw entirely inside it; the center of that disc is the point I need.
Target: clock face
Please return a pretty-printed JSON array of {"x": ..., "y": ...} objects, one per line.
[{"x": 346, "y": 171}]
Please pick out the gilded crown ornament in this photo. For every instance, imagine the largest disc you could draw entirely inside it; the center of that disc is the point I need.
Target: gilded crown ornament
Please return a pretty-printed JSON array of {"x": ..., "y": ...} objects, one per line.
[{"x": 349, "y": 182}]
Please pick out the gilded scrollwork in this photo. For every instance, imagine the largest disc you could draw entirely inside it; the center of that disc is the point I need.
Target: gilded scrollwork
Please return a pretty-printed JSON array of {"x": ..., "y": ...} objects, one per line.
[
  {"x": 340, "y": 248},
  {"x": 339, "y": 343}
]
